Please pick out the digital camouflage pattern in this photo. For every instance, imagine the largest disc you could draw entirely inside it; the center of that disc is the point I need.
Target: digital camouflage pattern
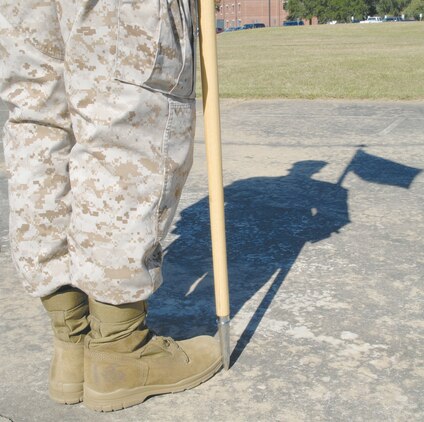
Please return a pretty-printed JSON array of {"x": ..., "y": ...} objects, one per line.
[{"x": 99, "y": 139}]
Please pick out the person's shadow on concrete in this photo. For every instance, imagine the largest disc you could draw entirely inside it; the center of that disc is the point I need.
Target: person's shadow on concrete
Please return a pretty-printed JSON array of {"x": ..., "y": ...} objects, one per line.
[{"x": 269, "y": 220}]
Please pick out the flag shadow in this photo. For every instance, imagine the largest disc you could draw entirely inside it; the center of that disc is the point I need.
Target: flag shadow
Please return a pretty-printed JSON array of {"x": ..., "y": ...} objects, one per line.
[{"x": 269, "y": 220}]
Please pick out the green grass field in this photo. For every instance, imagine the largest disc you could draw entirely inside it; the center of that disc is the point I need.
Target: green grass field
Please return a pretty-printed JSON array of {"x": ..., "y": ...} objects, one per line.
[{"x": 354, "y": 61}]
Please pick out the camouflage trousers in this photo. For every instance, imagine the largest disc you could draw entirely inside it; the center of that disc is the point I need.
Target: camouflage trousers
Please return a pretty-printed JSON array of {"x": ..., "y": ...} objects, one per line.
[{"x": 99, "y": 139}]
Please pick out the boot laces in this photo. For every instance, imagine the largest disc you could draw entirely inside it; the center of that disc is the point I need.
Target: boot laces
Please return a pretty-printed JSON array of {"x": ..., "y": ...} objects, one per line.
[{"x": 167, "y": 342}]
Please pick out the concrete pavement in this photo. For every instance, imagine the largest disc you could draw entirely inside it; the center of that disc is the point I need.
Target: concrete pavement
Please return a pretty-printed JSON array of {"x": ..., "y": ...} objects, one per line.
[{"x": 324, "y": 204}]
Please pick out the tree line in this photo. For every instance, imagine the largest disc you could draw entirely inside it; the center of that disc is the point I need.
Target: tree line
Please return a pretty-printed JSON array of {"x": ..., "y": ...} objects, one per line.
[{"x": 345, "y": 10}]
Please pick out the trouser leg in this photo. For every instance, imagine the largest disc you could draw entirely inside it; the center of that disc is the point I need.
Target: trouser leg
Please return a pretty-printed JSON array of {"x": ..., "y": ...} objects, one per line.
[
  {"x": 132, "y": 155},
  {"x": 37, "y": 142},
  {"x": 133, "y": 144}
]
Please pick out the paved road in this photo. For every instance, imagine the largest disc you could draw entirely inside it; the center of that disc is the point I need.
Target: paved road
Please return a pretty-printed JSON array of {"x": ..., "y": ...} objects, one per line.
[{"x": 326, "y": 233}]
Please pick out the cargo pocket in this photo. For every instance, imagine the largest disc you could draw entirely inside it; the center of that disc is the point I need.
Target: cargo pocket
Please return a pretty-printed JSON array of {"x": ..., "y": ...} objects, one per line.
[
  {"x": 177, "y": 153},
  {"x": 155, "y": 46}
]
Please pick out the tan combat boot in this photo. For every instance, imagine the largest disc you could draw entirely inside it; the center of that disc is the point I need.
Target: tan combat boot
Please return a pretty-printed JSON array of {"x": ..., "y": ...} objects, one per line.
[
  {"x": 68, "y": 311},
  {"x": 125, "y": 363}
]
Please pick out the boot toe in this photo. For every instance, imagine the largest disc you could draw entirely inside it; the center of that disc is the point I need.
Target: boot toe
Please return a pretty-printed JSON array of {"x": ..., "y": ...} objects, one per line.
[{"x": 203, "y": 351}]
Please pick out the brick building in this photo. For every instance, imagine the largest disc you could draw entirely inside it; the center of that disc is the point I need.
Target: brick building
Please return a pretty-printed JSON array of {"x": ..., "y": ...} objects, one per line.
[{"x": 238, "y": 12}]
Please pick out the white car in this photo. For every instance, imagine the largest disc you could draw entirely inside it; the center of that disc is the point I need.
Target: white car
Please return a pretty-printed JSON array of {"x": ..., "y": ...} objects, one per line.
[{"x": 372, "y": 19}]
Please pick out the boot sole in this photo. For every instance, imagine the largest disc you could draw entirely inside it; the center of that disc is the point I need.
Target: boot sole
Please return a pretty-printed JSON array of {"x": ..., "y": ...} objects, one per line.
[
  {"x": 67, "y": 393},
  {"x": 121, "y": 399}
]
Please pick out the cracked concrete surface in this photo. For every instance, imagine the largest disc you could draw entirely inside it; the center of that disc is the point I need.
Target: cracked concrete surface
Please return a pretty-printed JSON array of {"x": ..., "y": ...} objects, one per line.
[{"x": 326, "y": 267}]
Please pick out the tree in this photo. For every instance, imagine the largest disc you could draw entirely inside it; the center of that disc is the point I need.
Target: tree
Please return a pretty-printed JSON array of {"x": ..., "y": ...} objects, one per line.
[
  {"x": 391, "y": 7},
  {"x": 414, "y": 9},
  {"x": 372, "y": 7},
  {"x": 302, "y": 9},
  {"x": 326, "y": 10},
  {"x": 343, "y": 10}
]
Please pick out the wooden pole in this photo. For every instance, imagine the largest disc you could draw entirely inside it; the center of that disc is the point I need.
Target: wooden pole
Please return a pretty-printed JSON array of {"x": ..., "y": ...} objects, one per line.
[{"x": 212, "y": 124}]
